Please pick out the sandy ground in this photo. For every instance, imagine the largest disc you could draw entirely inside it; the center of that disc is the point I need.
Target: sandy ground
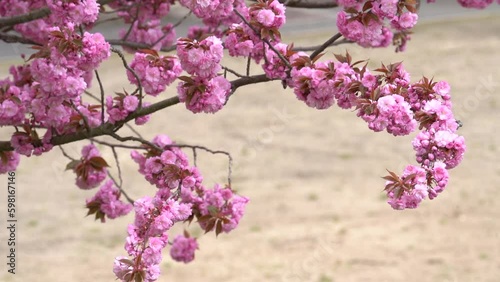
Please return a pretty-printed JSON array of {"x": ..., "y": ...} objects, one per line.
[{"x": 317, "y": 212}]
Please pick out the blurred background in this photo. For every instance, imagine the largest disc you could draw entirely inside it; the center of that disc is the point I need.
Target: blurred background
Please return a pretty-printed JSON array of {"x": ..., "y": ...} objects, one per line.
[{"x": 317, "y": 212}]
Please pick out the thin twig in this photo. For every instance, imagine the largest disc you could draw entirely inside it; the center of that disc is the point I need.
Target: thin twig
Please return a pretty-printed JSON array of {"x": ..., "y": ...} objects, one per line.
[
  {"x": 118, "y": 145},
  {"x": 232, "y": 71},
  {"x": 179, "y": 22},
  {"x": 85, "y": 121},
  {"x": 92, "y": 96},
  {"x": 132, "y": 25},
  {"x": 101, "y": 88},
  {"x": 133, "y": 130},
  {"x": 314, "y": 48},
  {"x": 11, "y": 38},
  {"x": 285, "y": 61},
  {"x": 311, "y": 4},
  {"x": 325, "y": 45},
  {"x": 249, "y": 60},
  {"x": 215, "y": 152},
  {"x": 65, "y": 154},
  {"x": 125, "y": 64},
  {"x": 132, "y": 138},
  {"x": 115, "y": 155},
  {"x": 130, "y": 200},
  {"x": 107, "y": 20},
  {"x": 194, "y": 156}
]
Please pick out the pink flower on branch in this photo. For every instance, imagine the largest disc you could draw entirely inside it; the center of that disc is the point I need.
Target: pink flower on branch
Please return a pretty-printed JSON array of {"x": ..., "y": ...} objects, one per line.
[
  {"x": 90, "y": 169},
  {"x": 183, "y": 248},
  {"x": 201, "y": 58},
  {"x": 106, "y": 203},
  {"x": 202, "y": 95},
  {"x": 155, "y": 72}
]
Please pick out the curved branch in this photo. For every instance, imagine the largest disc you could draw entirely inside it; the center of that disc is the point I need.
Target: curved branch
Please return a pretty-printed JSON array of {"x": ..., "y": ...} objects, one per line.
[
  {"x": 24, "y": 18},
  {"x": 314, "y": 48},
  {"x": 235, "y": 84},
  {"x": 12, "y": 38},
  {"x": 325, "y": 45},
  {"x": 310, "y": 4},
  {"x": 315, "y": 4},
  {"x": 108, "y": 128},
  {"x": 105, "y": 129}
]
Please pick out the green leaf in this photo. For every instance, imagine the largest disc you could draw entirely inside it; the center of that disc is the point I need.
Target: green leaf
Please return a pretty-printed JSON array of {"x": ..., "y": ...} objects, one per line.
[
  {"x": 213, "y": 210},
  {"x": 71, "y": 165}
]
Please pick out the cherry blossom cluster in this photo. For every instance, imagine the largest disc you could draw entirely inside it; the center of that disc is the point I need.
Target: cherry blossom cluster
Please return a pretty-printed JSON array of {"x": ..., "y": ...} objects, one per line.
[
  {"x": 318, "y": 84},
  {"x": 168, "y": 168},
  {"x": 377, "y": 23},
  {"x": 141, "y": 10},
  {"x": 144, "y": 18},
  {"x": 216, "y": 13},
  {"x": 267, "y": 16},
  {"x": 155, "y": 72},
  {"x": 264, "y": 19},
  {"x": 415, "y": 185},
  {"x": 438, "y": 147},
  {"x": 183, "y": 248},
  {"x": 200, "y": 58},
  {"x": 205, "y": 9},
  {"x": 83, "y": 12},
  {"x": 180, "y": 197},
  {"x": 50, "y": 88},
  {"x": 151, "y": 33},
  {"x": 477, "y": 4},
  {"x": 275, "y": 65},
  {"x": 106, "y": 203},
  {"x": 147, "y": 237},
  {"x": 218, "y": 208},
  {"x": 393, "y": 114},
  {"x": 74, "y": 12},
  {"x": 389, "y": 101},
  {"x": 239, "y": 41},
  {"x": 205, "y": 91},
  {"x": 204, "y": 95},
  {"x": 12, "y": 102},
  {"x": 90, "y": 169},
  {"x": 120, "y": 106},
  {"x": 28, "y": 142}
]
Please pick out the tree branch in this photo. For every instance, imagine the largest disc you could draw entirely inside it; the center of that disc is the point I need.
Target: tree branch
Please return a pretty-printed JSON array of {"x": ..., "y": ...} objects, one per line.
[
  {"x": 314, "y": 48},
  {"x": 315, "y": 4},
  {"x": 311, "y": 4},
  {"x": 108, "y": 128},
  {"x": 325, "y": 45},
  {"x": 12, "y": 38},
  {"x": 24, "y": 18}
]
